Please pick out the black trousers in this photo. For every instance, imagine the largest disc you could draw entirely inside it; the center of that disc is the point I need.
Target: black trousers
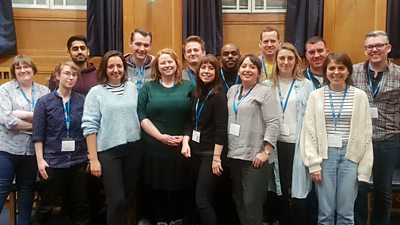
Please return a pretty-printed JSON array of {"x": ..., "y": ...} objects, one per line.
[
  {"x": 120, "y": 171},
  {"x": 69, "y": 183}
]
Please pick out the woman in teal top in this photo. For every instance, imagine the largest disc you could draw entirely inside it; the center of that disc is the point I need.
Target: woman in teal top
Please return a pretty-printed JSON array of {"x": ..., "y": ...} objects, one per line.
[{"x": 164, "y": 107}]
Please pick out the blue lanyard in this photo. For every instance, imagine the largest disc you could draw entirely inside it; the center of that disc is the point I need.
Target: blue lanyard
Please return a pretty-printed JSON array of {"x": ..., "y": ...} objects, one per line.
[
  {"x": 335, "y": 115},
  {"x": 139, "y": 74},
  {"x": 371, "y": 88},
  {"x": 265, "y": 69},
  {"x": 66, "y": 114},
  {"x": 236, "y": 106},
  {"x": 198, "y": 111},
  {"x": 283, "y": 106},
  {"x": 226, "y": 83},
  {"x": 191, "y": 76},
  {"x": 310, "y": 78},
  {"x": 32, "y": 101}
]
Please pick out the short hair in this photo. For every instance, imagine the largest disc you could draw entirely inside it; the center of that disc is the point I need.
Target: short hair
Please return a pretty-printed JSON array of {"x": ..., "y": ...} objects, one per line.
[
  {"x": 22, "y": 59},
  {"x": 341, "y": 58},
  {"x": 313, "y": 40},
  {"x": 103, "y": 78},
  {"x": 297, "y": 73},
  {"x": 201, "y": 90},
  {"x": 155, "y": 73},
  {"x": 253, "y": 59},
  {"x": 76, "y": 38},
  {"x": 143, "y": 32},
  {"x": 377, "y": 33},
  {"x": 269, "y": 29},
  {"x": 194, "y": 38},
  {"x": 69, "y": 63}
]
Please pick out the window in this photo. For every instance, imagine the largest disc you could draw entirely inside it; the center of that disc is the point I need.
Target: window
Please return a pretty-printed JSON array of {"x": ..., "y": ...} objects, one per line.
[
  {"x": 50, "y": 4},
  {"x": 253, "y": 6}
]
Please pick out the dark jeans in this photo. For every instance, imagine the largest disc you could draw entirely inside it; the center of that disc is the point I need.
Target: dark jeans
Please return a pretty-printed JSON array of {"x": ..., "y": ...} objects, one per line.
[
  {"x": 120, "y": 171},
  {"x": 69, "y": 183},
  {"x": 23, "y": 169}
]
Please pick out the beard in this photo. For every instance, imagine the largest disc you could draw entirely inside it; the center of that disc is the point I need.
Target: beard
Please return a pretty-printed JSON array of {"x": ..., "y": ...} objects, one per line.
[{"x": 80, "y": 60}]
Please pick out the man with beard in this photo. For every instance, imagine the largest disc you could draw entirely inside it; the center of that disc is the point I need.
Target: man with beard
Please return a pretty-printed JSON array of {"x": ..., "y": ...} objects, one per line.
[
  {"x": 316, "y": 53},
  {"x": 78, "y": 50},
  {"x": 269, "y": 43},
  {"x": 139, "y": 61},
  {"x": 230, "y": 55},
  {"x": 193, "y": 51}
]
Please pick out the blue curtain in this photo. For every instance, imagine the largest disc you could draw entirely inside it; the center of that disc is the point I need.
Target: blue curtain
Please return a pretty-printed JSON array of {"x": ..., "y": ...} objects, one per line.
[
  {"x": 8, "y": 38},
  {"x": 393, "y": 26},
  {"x": 104, "y": 26},
  {"x": 204, "y": 18},
  {"x": 304, "y": 19}
]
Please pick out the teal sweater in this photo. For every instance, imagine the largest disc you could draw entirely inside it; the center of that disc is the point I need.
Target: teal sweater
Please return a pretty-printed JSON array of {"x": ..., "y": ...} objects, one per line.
[
  {"x": 112, "y": 117},
  {"x": 168, "y": 109}
]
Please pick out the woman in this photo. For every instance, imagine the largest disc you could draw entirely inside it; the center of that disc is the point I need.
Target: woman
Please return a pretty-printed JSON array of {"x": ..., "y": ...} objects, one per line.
[
  {"x": 253, "y": 130},
  {"x": 18, "y": 98},
  {"x": 60, "y": 148},
  {"x": 292, "y": 91},
  {"x": 336, "y": 141},
  {"x": 164, "y": 107},
  {"x": 207, "y": 135},
  {"x": 112, "y": 130}
]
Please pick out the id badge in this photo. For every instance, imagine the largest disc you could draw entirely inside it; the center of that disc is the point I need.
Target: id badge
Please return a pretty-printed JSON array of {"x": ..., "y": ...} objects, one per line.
[
  {"x": 196, "y": 136},
  {"x": 374, "y": 112},
  {"x": 234, "y": 129},
  {"x": 284, "y": 129},
  {"x": 68, "y": 145},
  {"x": 334, "y": 141}
]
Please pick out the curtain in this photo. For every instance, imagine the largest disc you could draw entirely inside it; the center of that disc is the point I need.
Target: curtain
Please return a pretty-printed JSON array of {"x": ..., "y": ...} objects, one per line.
[
  {"x": 204, "y": 18},
  {"x": 304, "y": 19},
  {"x": 393, "y": 26},
  {"x": 104, "y": 26},
  {"x": 8, "y": 38}
]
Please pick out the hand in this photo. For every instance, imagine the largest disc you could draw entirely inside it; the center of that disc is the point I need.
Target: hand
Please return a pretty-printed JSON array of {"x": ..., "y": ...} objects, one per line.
[
  {"x": 95, "y": 168},
  {"x": 186, "y": 150},
  {"x": 317, "y": 177},
  {"x": 170, "y": 140},
  {"x": 23, "y": 115},
  {"x": 178, "y": 138},
  {"x": 260, "y": 159},
  {"x": 42, "y": 165},
  {"x": 217, "y": 166}
]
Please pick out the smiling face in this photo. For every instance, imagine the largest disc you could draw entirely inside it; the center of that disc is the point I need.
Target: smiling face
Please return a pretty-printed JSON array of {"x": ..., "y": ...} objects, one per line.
[
  {"x": 166, "y": 65},
  {"x": 141, "y": 46},
  {"x": 207, "y": 73},
  {"x": 377, "y": 49},
  {"x": 248, "y": 72},
  {"x": 230, "y": 56},
  {"x": 115, "y": 70},
  {"x": 316, "y": 55},
  {"x": 79, "y": 52},
  {"x": 269, "y": 43},
  {"x": 337, "y": 73},
  {"x": 23, "y": 72},
  {"x": 193, "y": 53},
  {"x": 285, "y": 61}
]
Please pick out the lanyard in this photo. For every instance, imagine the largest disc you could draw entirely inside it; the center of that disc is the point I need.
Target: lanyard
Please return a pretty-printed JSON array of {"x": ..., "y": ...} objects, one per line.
[
  {"x": 236, "y": 106},
  {"x": 198, "y": 111},
  {"x": 32, "y": 101},
  {"x": 226, "y": 83},
  {"x": 371, "y": 88},
  {"x": 283, "y": 106},
  {"x": 139, "y": 74},
  {"x": 310, "y": 78},
  {"x": 335, "y": 115},
  {"x": 265, "y": 69},
  {"x": 66, "y": 114},
  {"x": 191, "y": 76}
]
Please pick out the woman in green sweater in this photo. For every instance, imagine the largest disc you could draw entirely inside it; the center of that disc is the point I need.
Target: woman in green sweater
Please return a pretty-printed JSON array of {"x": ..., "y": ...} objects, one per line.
[{"x": 163, "y": 108}]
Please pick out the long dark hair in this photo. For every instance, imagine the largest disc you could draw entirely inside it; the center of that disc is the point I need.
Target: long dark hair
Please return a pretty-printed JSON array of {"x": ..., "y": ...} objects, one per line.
[
  {"x": 102, "y": 78},
  {"x": 201, "y": 89}
]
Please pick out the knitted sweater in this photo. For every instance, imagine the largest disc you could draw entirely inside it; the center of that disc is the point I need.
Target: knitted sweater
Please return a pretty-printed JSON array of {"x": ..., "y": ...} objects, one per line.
[{"x": 313, "y": 141}]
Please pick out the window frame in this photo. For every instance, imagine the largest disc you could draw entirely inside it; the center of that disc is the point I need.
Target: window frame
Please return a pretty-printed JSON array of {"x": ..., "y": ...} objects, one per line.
[
  {"x": 49, "y": 5},
  {"x": 251, "y": 8}
]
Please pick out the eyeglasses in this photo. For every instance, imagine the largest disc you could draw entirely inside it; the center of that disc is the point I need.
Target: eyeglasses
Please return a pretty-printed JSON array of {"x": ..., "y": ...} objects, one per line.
[
  {"x": 69, "y": 74},
  {"x": 378, "y": 47},
  {"x": 25, "y": 67}
]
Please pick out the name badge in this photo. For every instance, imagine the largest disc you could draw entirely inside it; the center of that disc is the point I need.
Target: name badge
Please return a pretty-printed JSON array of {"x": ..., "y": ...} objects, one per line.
[
  {"x": 68, "y": 145},
  {"x": 374, "y": 112},
  {"x": 234, "y": 129},
  {"x": 334, "y": 141},
  {"x": 284, "y": 129},
  {"x": 196, "y": 136}
]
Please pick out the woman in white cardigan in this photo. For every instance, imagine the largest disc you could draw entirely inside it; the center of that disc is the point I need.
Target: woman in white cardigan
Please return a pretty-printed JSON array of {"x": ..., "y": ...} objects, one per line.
[{"x": 336, "y": 141}]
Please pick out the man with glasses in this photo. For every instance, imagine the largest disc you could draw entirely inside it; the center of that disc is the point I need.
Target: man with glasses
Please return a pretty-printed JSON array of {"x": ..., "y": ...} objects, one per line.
[
  {"x": 316, "y": 53},
  {"x": 380, "y": 79}
]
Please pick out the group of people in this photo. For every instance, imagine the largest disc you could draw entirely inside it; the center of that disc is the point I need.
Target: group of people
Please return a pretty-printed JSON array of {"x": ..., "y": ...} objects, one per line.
[{"x": 286, "y": 144}]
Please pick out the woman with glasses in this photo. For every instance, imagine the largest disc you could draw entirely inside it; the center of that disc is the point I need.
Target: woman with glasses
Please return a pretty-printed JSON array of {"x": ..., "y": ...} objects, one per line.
[{"x": 18, "y": 99}]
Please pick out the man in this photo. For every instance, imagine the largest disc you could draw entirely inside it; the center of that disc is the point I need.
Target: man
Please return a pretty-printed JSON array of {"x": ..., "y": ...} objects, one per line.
[
  {"x": 316, "y": 53},
  {"x": 193, "y": 52},
  {"x": 269, "y": 43},
  {"x": 139, "y": 61},
  {"x": 380, "y": 79},
  {"x": 79, "y": 52},
  {"x": 230, "y": 55}
]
